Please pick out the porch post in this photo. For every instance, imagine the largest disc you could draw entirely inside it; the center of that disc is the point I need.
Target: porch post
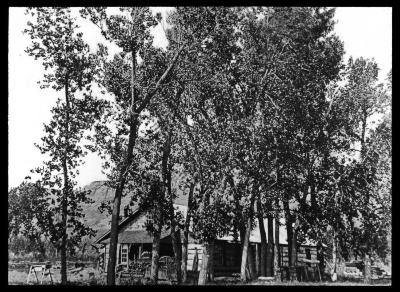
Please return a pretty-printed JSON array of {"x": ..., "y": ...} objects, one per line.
[
  {"x": 129, "y": 250},
  {"x": 140, "y": 250},
  {"x": 257, "y": 259},
  {"x": 118, "y": 253}
]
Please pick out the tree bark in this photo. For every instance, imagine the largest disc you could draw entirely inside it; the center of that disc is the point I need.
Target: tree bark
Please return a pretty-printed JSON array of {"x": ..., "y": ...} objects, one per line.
[
  {"x": 245, "y": 245},
  {"x": 210, "y": 265},
  {"x": 334, "y": 257},
  {"x": 263, "y": 260},
  {"x": 204, "y": 264},
  {"x": 155, "y": 255},
  {"x": 177, "y": 247},
  {"x": 186, "y": 235},
  {"x": 175, "y": 234},
  {"x": 122, "y": 179},
  {"x": 293, "y": 252},
  {"x": 289, "y": 228},
  {"x": 245, "y": 252},
  {"x": 270, "y": 247},
  {"x": 367, "y": 269},
  {"x": 64, "y": 206},
  {"x": 291, "y": 235},
  {"x": 277, "y": 260}
]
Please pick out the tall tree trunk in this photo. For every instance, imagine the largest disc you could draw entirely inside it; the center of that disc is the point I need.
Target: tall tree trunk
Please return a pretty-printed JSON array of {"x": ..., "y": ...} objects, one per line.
[
  {"x": 186, "y": 235},
  {"x": 293, "y": 263},
  {"x": 366, "y": 259},
  {"x": 177, "y": 247},
  {"x": 334, "y": 257},
  {"x": 270, "y": 249},
  {"x": 203, "y": 277},
  {"x": 245, "y": 246},
  {"x": 156, "y": 250},
  {"x": 64, "y": 206},
  {"x": 175, "y": 235},
  {"x": 367, "y": 269},
  {"x": 289, "y": 227},
  {"x": 277, "y": 268},
  {"x": 112, "y": 259},
  {"x": 293, "y": 252},
  {"x": 245, "y": 252},
  {"x": 210, "y": 265},
  {"x": 247, "y": 257},
  {"x": 263, "y": 260}
]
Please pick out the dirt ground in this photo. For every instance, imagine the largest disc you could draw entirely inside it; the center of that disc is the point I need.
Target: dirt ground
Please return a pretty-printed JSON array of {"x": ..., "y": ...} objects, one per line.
[{"x": 18, "y": 277}]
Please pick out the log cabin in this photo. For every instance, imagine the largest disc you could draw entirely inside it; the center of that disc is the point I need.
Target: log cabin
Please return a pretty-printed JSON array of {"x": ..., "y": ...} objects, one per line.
[{"x": 134, "y": 239}]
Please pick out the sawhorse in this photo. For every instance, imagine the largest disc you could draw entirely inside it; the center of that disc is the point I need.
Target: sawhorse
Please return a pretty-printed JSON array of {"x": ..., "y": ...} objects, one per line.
[{"x": 44, "y": 270}]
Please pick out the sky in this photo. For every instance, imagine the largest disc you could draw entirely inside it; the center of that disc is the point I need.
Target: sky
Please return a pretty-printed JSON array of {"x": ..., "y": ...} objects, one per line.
[{"x": 365, "y": 31}]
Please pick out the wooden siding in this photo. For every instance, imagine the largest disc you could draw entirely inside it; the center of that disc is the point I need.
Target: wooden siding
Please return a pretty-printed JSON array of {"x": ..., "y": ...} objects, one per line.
[{"x": 301, "y": 254}]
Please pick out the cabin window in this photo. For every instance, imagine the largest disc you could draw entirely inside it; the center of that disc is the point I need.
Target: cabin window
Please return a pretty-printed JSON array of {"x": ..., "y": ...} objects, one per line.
[{"x": 124, "y": 254}]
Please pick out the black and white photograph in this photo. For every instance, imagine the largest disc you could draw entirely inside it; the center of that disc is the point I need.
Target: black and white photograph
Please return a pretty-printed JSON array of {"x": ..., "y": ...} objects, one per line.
[{"x": 200, "y": 145}]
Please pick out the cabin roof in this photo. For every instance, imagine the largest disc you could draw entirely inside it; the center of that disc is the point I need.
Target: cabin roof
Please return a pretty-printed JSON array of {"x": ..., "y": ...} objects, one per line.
[{"x": 137, "y": 236}]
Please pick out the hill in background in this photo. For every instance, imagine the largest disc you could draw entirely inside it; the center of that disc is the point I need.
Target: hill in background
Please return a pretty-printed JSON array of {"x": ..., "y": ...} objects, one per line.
[{"x": 100, "y": 193}]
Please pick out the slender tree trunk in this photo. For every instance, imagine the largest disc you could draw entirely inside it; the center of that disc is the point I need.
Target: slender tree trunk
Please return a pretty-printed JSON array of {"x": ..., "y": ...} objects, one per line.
[
  {"x": 210, "y": 265},
  {"x": 362, "y": 138},
  {"x": 334, "y": 257},
  {"x": 64, "y": 206},
  {"x": 291, "y": 235},
  {"x": 366, "y": 259},
  {"x": 121, "y": 181},
  {"x": 245, "y": 252},
  {"x": 320, "y": 257},
  {"x": 277, "y": 260},
  {"x": 155, "y": 255},
  {"x": 367, "y": 269},
  {"x": 293, "y": 252},
  {"x": 263, "y": 260},
  {"x": 270, "y": 249},
  {"x": 289, "y": 228},
  {"x": 245, "y": 246},
  {"x": 177, "y": 247},
  {"x": 204, "y": 264},
  {"x": 175, "y": 236},
  {"x": 184, "y": 259},
  {"x": 186, "y": 235},
  {"x": 242, "y": 231}
]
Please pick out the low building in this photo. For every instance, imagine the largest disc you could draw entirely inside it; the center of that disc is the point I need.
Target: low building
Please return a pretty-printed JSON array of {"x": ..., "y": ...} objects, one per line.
[{"x": 133, "y": 240}]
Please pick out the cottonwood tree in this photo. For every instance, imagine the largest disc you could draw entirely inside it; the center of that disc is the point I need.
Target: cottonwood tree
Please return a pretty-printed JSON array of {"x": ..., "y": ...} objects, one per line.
[
  {"x": 27, "y": 215},
  {"x": 149, "y": 191},
  {"x": 131, "y": 31},
  {"x": 282, "y": 85},
  {"x": 203, "y": 134},
  {"x": 363, "y": 101},
  {"x": 311, "y": 59},
  {"x": 71, "y": 68}
]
